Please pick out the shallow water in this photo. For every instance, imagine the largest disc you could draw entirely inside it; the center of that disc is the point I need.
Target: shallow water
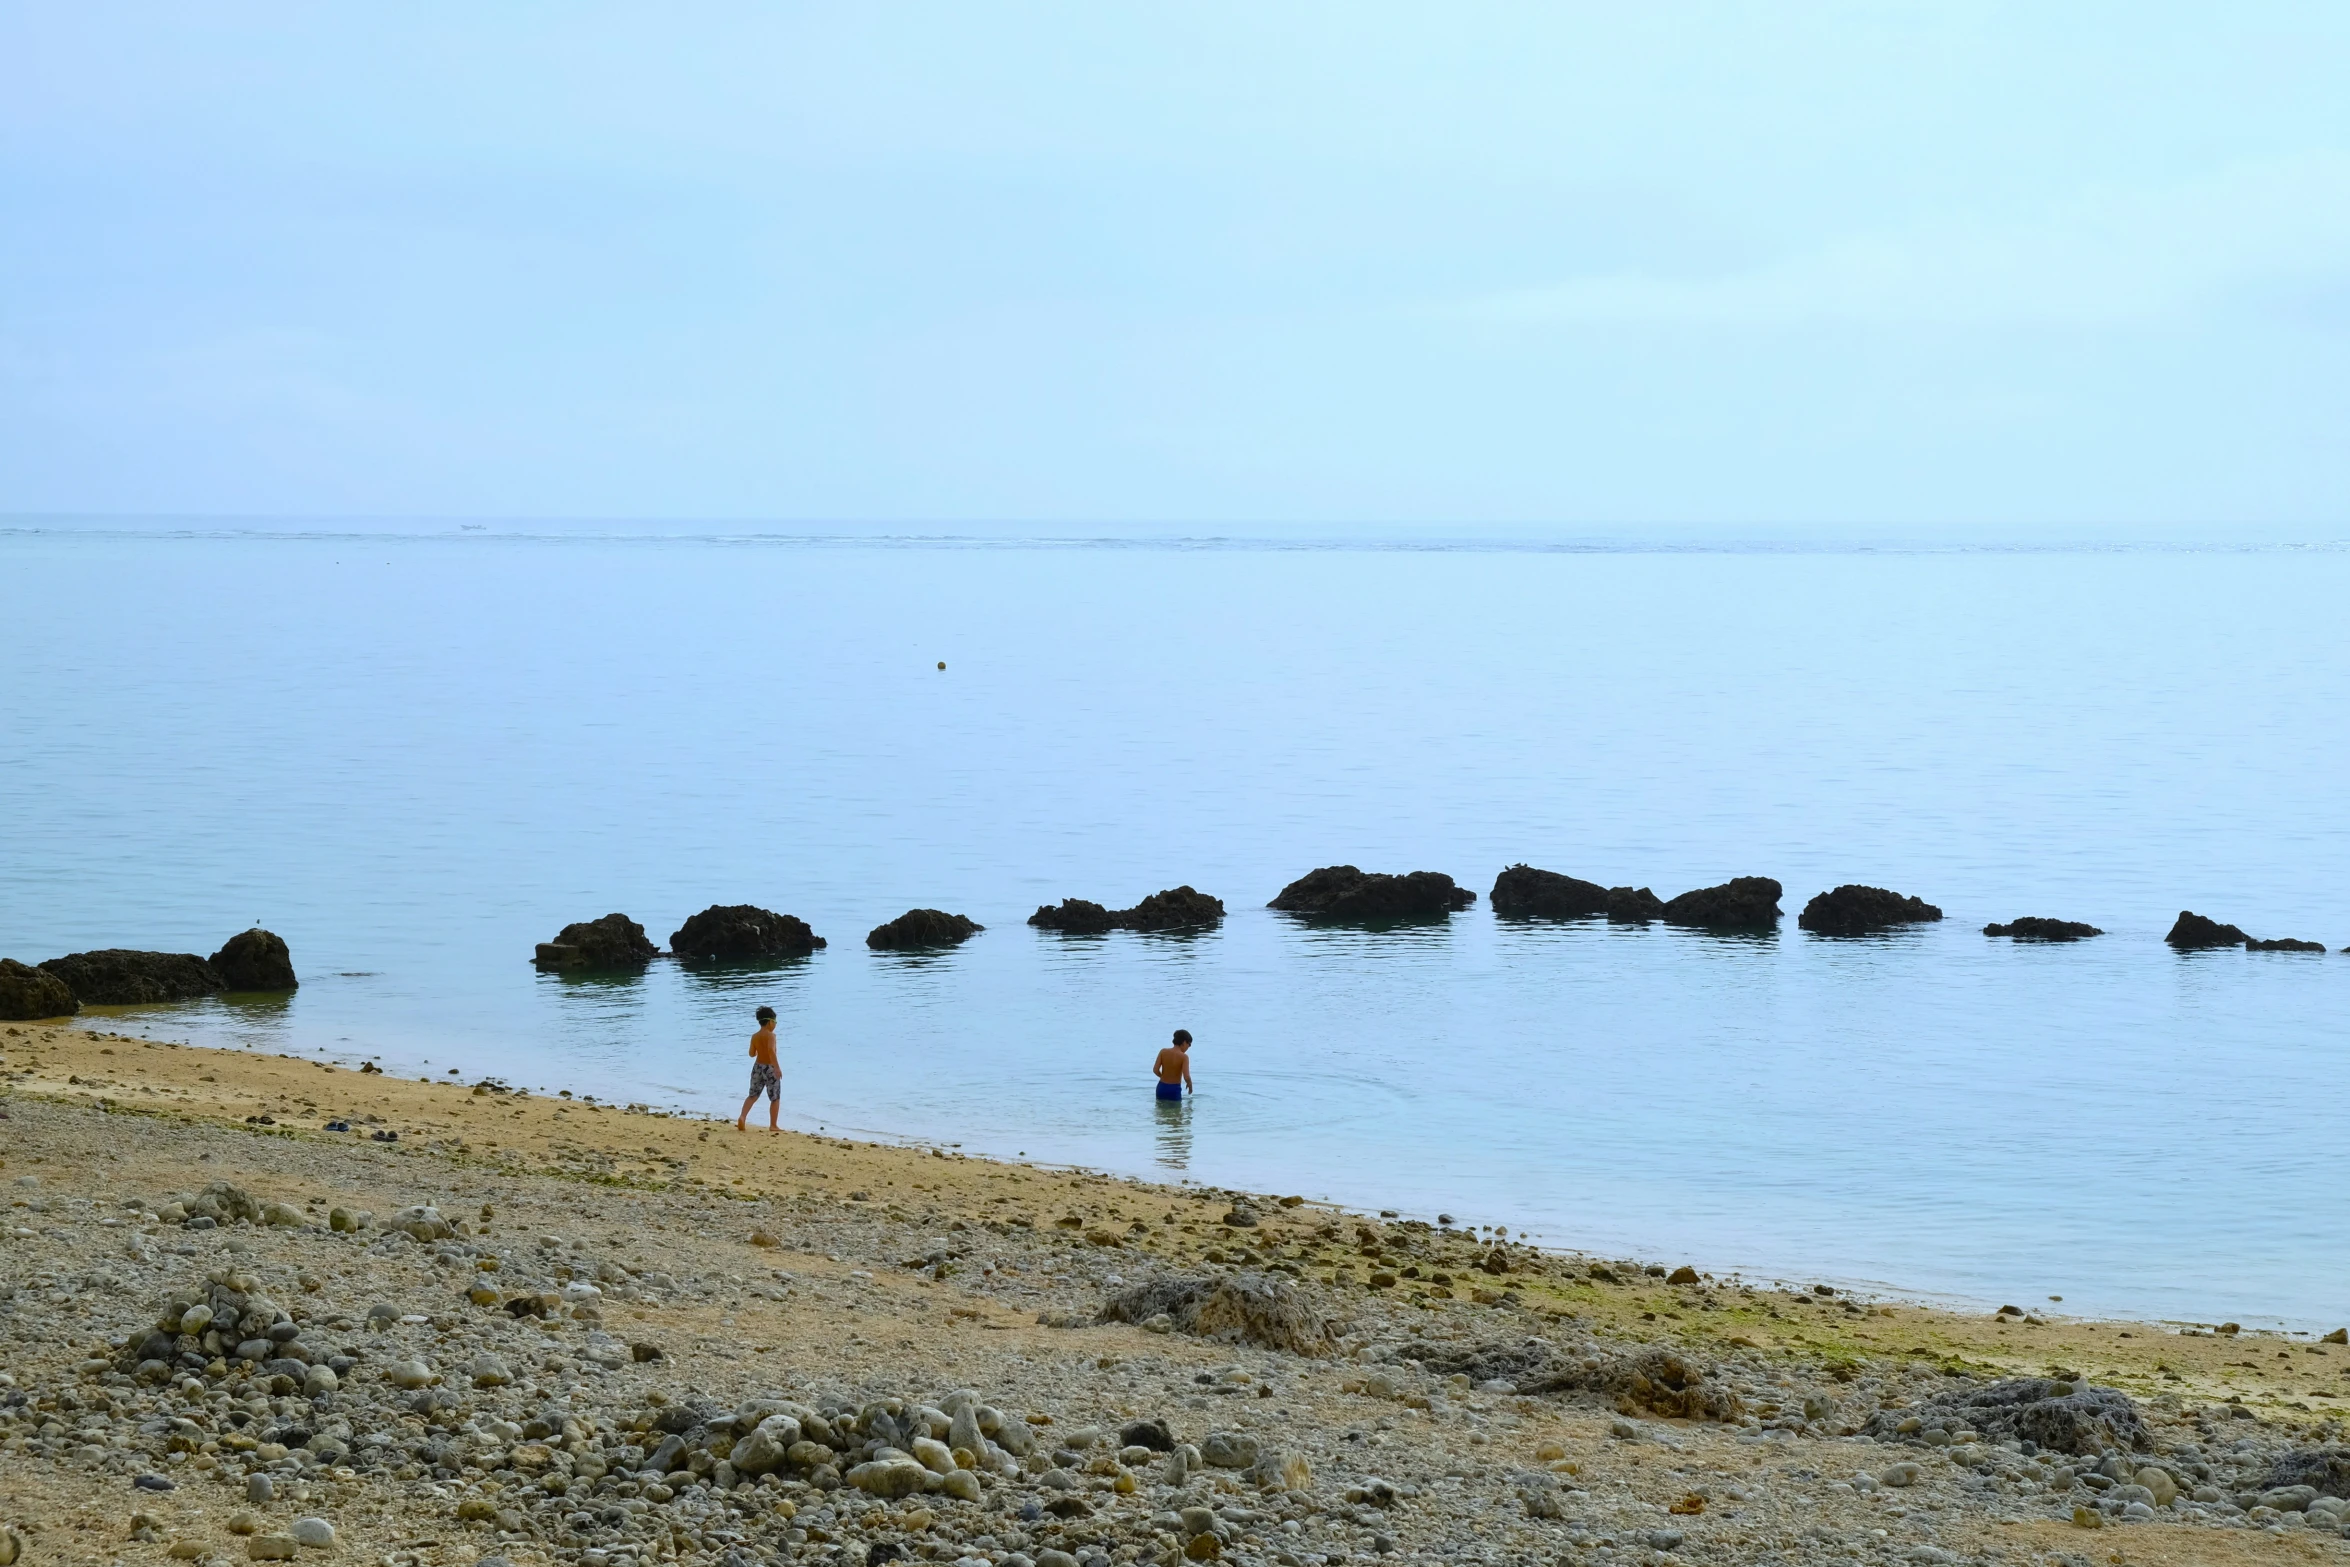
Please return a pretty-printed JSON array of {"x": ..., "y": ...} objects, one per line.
[{"x": 414, "y": 755}]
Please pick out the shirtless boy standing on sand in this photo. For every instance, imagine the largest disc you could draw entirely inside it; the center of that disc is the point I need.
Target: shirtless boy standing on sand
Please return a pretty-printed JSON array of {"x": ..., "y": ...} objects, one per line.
[
  {"x": 1173, "y": 1067},
  {"x": 766, "y": 1076}
]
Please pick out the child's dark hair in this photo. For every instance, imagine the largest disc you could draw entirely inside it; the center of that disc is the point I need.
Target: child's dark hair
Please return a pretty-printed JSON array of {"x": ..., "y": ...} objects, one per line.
[
  {"x": 1183, "y": 1036},
  {"x": 765, "y": 1014}
]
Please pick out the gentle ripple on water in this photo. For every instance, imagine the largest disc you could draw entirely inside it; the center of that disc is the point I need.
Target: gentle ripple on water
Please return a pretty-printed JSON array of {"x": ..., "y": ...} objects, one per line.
[{"x": 417, "y": 757}]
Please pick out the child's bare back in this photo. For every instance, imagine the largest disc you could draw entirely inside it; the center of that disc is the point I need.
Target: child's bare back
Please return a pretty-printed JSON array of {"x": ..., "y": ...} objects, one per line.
[{"x": 1173, "y": 1067}]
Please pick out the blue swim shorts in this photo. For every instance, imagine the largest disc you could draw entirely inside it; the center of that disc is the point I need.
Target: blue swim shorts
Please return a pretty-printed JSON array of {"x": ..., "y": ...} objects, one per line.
[{"x": 1170, "y": 1090}]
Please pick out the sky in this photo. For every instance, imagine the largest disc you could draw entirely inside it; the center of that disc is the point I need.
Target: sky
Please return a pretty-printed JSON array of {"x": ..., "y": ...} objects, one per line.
[{"x": 1595, "y": 269}]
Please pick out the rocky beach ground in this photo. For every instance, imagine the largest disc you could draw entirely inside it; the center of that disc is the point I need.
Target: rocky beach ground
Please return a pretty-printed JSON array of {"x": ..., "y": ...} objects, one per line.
[{"x": 481, "y": 1325}]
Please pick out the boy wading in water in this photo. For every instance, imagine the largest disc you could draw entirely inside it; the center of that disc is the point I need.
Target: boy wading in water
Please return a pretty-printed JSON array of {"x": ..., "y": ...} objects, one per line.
[
  {"x": 1173, "y": 1067},
  {"x": 766, "y": 1076}
]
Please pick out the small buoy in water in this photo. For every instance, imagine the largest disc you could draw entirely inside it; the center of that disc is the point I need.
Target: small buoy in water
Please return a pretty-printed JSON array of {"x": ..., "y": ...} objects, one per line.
[{"x": 942, "y": 663}]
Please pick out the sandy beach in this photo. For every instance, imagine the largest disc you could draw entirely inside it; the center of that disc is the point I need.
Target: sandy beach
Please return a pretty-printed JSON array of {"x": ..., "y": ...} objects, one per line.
[{"x": 904, "y": 1349}]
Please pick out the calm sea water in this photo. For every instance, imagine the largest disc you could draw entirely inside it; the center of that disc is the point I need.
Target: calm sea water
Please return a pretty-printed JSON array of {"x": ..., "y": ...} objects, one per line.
[{"x": 414, "y": 755}]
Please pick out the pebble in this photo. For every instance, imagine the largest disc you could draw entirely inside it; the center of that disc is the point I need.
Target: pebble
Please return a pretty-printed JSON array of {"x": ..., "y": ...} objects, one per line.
[
  {"x": 271, "y": 1548},
  {"x": 384, "y": 1427},
  {"x": 1229, "y": 1449}
]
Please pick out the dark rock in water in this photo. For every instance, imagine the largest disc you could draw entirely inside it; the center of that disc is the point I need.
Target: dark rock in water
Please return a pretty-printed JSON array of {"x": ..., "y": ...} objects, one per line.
[
  {"x": 116, "y": 977},
  {"x": 2065, "y": 1417},
  {"x": 613, "y": 942},
  {"x": 2033, "y": 928},
  {"x": 1633, "y": 905},
  {"x": 1340, "y": 892},
  {"x": 2324, "y": 1469},
  {"x": 2285, "y": 944},
  {"x": 27, "y": 993},
  {"x": 1742, "y": 903},
  {"x": 922, "y": 928},
  {"x": 1074, "y": 917},
  {"x": 255, "y": 960},
  {"x": 740, "y": 933},
  {"x": 1175, "y": 908},
  {"x": 1522, "y": 892},
  {"x": 2193, "y": 932},
  {"x": 1863, "y": 911}
]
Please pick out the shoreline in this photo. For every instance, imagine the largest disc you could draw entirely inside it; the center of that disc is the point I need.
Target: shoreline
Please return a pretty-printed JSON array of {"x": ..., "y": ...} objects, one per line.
[
  {"x": 813, "y": 1267},
  {"x": 1953, "y": 1302},
  {"x": 1953, "y": 1306}
]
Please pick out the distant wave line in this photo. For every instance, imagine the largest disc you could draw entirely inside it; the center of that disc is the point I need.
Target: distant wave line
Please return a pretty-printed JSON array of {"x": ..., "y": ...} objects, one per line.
[{"x": 1191, "y": 543}]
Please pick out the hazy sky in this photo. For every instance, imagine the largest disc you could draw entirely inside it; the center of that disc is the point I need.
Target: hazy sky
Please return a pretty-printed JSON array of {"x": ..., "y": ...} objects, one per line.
[{"x": 1596, "y": 267}]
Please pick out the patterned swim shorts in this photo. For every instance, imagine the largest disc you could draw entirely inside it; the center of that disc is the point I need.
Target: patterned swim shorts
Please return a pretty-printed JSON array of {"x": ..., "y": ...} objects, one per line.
[{"x": 766, "y": 1080}]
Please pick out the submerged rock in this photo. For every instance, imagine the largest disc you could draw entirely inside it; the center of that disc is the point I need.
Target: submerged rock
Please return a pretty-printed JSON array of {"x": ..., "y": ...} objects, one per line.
[
  {"x": 1852, "y": 910},
  {"x": 27, "y": 993},
  {"x": 922, "y": 928},
  {"x": 118, "y": 977},
  {"x": 1174, "y": 908},
  {"x": 1633, "y": 905},
  {"x": 1522, "y": 892},
  {"x": 2192, "y": 932},
  {"x": 739, "y": 933},
  {"x": 1074, "y": 917},
  {"x": 2065, "y": 1417},
  {"x": 1742, "y": 903},
  {"x": 2284, "y": 944},
  {"x": 2033, "y": 928},
  {"x": 613, "y": 942},
  {"x": 1341, "y": 892},
  {"x": 255, "y": 959}
]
